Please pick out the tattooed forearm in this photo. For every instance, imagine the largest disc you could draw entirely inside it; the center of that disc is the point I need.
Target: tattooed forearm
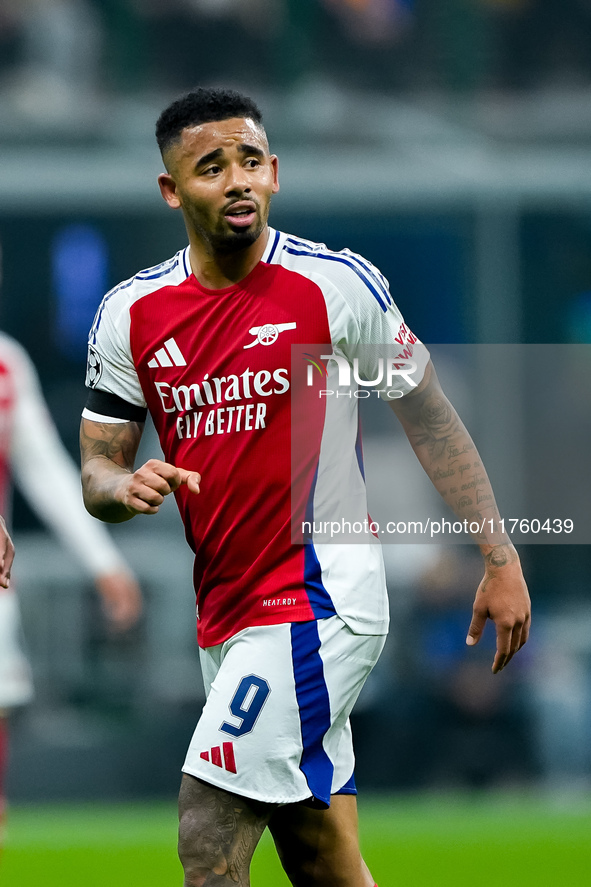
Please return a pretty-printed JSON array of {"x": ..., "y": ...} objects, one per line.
[
  {"x": 498, "y": 556},
  {"x": 439, "y": 473},
  {"x": 107, "y": 451},
  {"x": 446, "y": 451},
  {"x": 437, "y": 425},
  {"x": 115, "y": 441}
]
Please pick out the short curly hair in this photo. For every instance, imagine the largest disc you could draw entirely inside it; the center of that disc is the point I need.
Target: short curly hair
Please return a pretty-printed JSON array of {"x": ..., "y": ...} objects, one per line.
[{"x": 202, "y": 105}]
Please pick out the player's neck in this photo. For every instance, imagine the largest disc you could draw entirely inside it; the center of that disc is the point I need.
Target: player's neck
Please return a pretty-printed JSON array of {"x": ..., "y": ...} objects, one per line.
[{"x": 220, "y": 270}]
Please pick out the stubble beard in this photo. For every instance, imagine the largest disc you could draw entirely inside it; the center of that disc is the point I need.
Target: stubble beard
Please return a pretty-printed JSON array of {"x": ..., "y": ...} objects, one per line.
[
  {"x": 229, "y": 242},
  {"x": 236, "y": 240}
]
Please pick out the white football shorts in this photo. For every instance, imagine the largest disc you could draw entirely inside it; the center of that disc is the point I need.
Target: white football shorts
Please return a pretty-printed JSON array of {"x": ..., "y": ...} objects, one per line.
[
  {"x": 275, "y": 725},
  {"x": 16, "y": 686}
]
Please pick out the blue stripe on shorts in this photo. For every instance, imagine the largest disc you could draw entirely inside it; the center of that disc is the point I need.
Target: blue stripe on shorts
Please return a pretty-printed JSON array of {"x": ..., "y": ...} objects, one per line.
[
  {"x": 349, "y": 787},
  {"x": 314, "y": 707}
]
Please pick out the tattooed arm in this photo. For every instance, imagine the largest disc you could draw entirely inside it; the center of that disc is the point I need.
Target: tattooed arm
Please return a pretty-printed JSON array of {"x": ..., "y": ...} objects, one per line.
[
  {"x": 112, "y": 490},
  {"x": 446, "y": 451}
]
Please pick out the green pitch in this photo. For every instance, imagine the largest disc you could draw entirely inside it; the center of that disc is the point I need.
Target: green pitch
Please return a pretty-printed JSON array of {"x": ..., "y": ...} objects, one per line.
[{"x": 436, "y": 841}]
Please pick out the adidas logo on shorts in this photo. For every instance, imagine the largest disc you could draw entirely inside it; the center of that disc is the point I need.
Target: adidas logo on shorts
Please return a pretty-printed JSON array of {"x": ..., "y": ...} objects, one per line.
[{"x": 214, "y": 756}]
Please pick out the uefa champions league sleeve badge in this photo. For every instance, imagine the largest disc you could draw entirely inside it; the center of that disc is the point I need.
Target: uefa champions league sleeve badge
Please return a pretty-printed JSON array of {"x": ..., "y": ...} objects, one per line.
[{"x": 94, "y": 368}]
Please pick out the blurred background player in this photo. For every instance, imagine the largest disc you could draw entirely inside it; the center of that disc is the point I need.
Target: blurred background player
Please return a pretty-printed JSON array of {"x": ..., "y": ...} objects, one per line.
[
  {"x": 31, "y": 452},
  {"x": 6, "y": 554},
  {"x": 6, "y": 558}
]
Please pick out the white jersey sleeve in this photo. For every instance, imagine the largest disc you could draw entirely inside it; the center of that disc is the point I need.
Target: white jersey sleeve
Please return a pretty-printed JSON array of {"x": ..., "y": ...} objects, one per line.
[
  {"x": 46, "y": 474},
  {"x": 366, "y": 324},
  {"x": 110, "y": 365},
  {"x": 382, "y": 344}
]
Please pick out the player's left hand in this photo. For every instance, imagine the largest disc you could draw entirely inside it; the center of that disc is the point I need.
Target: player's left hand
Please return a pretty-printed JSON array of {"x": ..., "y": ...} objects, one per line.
[
  {"x": 503, "y": 597},
  {"x": 121, "y": 598},
  {"x": 6, "y": 554}
]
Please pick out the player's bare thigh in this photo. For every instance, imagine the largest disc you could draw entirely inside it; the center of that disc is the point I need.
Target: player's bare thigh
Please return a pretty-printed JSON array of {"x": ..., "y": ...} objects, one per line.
[
  {"x": 218, "y": 833},
  {"x": 320, "y": 848}
]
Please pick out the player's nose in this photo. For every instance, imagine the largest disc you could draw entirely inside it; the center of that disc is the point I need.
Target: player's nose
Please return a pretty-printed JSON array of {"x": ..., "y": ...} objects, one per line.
[{"x": 237, "y": 180}]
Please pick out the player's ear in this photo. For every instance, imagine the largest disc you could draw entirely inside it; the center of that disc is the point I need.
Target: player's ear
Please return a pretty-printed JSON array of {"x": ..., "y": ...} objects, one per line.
[
  {"x": 167, "y": 186},
  {"x": 275, "y": 165}
]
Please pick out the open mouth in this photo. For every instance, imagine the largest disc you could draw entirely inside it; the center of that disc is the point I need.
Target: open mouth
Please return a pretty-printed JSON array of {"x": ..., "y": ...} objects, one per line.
[{"x": 241, "y": 215}]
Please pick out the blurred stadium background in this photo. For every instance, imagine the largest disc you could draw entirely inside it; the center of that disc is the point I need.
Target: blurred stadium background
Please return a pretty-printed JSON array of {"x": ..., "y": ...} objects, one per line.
[{"x": 450, "y": 143}]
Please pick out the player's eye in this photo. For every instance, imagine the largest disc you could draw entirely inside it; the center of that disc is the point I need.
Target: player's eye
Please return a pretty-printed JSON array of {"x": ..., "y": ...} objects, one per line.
[
  {"x": 253, "y": 162},
  {"x": 212, "y": 170}
]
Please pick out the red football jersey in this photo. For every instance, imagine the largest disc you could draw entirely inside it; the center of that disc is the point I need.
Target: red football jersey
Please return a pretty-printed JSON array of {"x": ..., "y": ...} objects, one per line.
[{"x": 216, "y": 370}]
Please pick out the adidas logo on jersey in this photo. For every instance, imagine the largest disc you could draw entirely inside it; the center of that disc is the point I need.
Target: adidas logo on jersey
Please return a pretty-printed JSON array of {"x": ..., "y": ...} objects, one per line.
[
  {"x": 214, "y": 756},
  {"x": 268, "y": 333},
  {"x": 167, "y": 356}
]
